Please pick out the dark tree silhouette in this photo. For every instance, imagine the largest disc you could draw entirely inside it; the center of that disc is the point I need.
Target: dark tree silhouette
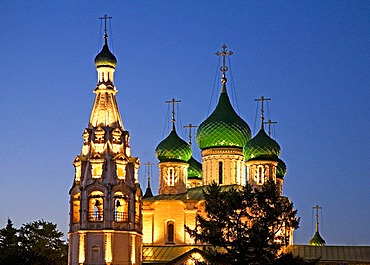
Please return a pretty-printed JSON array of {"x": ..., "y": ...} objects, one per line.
[{"x": 242, "y": 225}]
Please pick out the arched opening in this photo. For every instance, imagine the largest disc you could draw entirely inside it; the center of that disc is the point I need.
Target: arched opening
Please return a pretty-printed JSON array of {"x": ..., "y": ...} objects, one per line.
[
  {"x": 260, "y": 176},
  {"x": 96, "y": 206},
  {"x": 220, "y": 172},
  {"x": 170, "y": 232},
  {"x": 171, "y": 177},
  {"x": 76, "y": 208},
  {"x": 120, "y": 207}
]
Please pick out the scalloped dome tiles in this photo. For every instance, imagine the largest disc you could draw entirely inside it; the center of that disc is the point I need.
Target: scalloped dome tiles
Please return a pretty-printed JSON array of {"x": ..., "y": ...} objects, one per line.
[
  {"x": 173, "y": 148},
  {"x": 261, "y": 145},
  {"x": 223, "y": 128}
]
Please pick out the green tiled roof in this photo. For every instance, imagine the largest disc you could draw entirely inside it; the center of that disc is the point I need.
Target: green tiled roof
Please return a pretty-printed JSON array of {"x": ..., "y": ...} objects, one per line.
[
  {"x": 338, "y": 254},
  {"x": 195, "y": 169},
  {"x": 224, "y": 127},
  {"x": 173, "y": 148},
  {"x": 261, "y": 145},
  {"x": 105, "y": 58},
  {"x": 165, "y": 254}
]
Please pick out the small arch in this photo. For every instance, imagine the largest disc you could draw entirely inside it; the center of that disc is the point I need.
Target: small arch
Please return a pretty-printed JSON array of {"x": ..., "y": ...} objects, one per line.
[{"x": 170, "y": 232}]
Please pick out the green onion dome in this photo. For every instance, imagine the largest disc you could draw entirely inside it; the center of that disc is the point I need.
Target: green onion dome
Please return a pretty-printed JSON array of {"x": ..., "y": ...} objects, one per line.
[
  {"x": 261, "y": 145},
  {"x": 317, "y": 240},
  {"x": 173, "y": 148},
  {"x": 195, "y": 169},
  {"x": 281, "y": 168},
  {"x": 224, "y": 127},
  {"x": 105, "y": 58}
]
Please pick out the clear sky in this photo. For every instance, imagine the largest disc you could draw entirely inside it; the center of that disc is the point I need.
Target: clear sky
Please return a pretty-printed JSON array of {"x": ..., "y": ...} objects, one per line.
[{"x": 312, "y": 58}]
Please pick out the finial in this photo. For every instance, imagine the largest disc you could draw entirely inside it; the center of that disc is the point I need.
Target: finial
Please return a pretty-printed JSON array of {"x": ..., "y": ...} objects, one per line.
[
  {"x": 148, "y": 167},
  {"x": 269, "y": 122},
  {"x": 148, "y": 192},
  {"x": 105, "y": 28},
  {"x": 317, "y": 207},
  {"x": 173, "y": 101},
  {"x": 190, "y": 126},
  {"x": 262, "y": 99},
  {"x": 224, "y": 68}
]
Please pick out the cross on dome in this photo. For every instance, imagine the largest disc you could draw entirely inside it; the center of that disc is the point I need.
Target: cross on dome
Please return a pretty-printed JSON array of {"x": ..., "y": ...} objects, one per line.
[
  {"x": 262, "y": 99},
  {"x": 224, "y": 53},
  {"x": 173, "y": 101},
  {"x": 105, "y": 25}
]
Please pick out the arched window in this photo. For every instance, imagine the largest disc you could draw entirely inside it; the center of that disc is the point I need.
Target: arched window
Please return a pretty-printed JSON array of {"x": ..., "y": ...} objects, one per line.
[
  {"x": 76, "y": 208},
  {"x": 171, "y": 177},
  {"x": 220, "y": 172},
  {"x": 96, "y": 206},
  {"x": 260, "y": 176},
  {"x": 170, "y": 232},
  {"x": 120, "y": 207}
]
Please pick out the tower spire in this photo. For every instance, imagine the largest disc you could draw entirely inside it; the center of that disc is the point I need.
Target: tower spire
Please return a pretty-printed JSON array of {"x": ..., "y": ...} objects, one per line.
[
  {"x": 224, "y": 68},
  {"x": 173, "y": 101},
  {"x": 262, "y": 99},
  {"x": 190, "y": 126},
  {"x": 148, "y": 192}
]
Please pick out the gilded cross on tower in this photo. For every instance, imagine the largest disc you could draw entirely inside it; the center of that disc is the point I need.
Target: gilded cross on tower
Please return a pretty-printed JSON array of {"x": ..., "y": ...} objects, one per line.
[
  {"x": 262, "y": 99},
  {"x": 224, "y": 53},
  {"x": 173, "y": 101},
  {"x": 105, "y": 25},
  {"x": 269, "y": 122},
  {"x": 190, "y": 126}
]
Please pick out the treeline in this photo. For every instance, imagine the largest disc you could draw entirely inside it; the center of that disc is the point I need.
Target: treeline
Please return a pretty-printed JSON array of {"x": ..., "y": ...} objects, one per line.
[{"x": 35, "y": 243}]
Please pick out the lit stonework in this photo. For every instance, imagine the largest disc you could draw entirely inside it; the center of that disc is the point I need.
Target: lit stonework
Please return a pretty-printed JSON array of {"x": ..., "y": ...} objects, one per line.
[{"x": 105, "y": 199}]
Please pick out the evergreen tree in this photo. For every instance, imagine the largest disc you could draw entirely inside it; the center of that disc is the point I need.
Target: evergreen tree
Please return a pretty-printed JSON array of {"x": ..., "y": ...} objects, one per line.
[
  {"x": 35, "y": 243},
  {"x": 41, "y": 244},
  {"x": 242, "y": 225},
  {"x": 9, "y": 245}
]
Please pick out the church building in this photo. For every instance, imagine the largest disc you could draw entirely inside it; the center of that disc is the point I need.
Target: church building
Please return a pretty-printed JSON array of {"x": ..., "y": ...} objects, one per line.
[{"x": 112, "y": 223}]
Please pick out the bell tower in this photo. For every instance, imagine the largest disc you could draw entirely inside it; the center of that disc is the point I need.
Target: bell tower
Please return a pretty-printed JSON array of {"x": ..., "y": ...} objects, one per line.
[{"x": 105, "y": 198}]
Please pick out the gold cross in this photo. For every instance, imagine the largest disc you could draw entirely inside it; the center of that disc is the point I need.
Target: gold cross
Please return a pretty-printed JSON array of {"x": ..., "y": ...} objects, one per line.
[{"x": 224, "y": 53}]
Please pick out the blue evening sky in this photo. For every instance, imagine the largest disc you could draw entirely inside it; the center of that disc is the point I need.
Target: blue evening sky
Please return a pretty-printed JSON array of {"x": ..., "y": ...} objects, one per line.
[{"x": 312, "y": 58}]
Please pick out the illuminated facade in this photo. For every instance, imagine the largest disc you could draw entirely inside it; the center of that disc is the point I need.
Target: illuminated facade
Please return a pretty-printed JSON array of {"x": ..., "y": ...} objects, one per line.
[
  {"x": 105, "y": 199},
  {"x": 230, "y": 157},
  {"x": 111, "y": 223}
]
